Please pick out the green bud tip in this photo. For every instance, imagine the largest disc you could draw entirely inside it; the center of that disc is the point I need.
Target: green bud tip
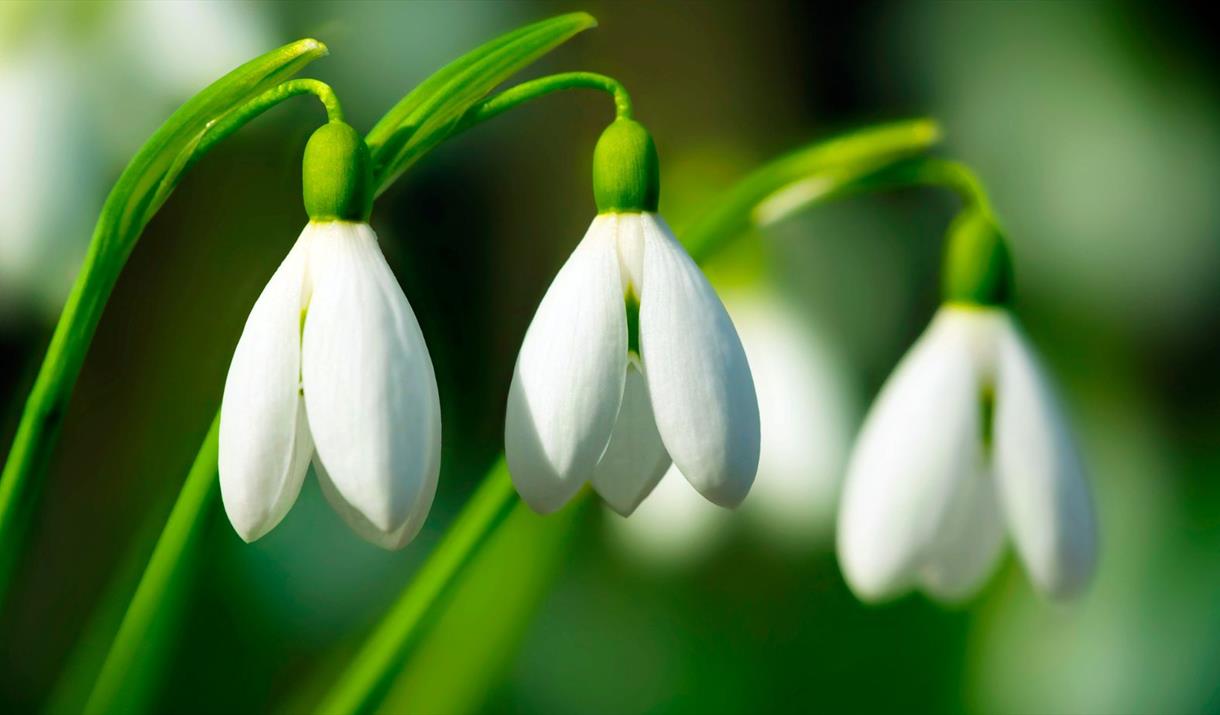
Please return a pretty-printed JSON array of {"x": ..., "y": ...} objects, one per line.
[
  {"x": 626, "y": 173},
  {"x": 337, "y": 175},
  {"x": 977, "y": 267}
]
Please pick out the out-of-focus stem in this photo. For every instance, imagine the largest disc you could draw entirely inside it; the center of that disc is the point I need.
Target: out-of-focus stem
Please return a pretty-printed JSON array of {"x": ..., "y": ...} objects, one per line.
[{"x": 181, "y": 532}]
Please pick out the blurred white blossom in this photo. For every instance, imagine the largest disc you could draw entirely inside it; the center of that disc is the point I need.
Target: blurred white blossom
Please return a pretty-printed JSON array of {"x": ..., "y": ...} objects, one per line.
[
  {"x": 84, "y": 85},
  {"x": 807, "y": 413}
]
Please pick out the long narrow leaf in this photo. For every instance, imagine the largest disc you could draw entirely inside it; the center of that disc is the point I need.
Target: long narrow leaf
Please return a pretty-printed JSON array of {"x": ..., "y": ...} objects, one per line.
[
  {"x": 141, "y": 189},
  {"x": 426, "y": 116}
]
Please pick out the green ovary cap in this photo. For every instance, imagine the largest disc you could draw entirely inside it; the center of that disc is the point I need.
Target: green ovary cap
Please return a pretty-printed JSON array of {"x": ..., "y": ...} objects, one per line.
[
  {"x": 977, "y": 267},
  {"x": 626, "y": 174},
  {"x": 337, "y": 175}
]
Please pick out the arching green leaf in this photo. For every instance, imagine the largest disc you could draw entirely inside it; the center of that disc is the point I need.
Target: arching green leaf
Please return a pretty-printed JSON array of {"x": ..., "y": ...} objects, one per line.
[{"x": 433, "y": 109}]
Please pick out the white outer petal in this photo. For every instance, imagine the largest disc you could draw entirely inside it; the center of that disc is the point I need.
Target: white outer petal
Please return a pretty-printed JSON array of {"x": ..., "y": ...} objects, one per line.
[
  {"x": 634, "y": 460},
  {"x": 568, "y": 383},
  {"x": 919, "y": 443},
  {"x": 702, "y": 390},
  {"x": 265, "y": 442},
  {"x": 370, "y": 390},
  {"x": 1042, "y": 485},
  {"x": 970, "y": 542}
]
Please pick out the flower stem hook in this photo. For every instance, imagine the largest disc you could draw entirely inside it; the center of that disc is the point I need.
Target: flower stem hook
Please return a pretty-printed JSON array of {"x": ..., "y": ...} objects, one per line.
[{"x": 526, "y": 91}]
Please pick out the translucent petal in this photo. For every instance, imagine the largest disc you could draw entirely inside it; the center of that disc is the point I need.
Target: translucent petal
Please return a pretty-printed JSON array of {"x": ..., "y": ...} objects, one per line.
[
  {"x": 1041, "y": 479},
  {"x": 370, "y": 390},
  {"x": 970, "y": 541},
  {"x": 635, "y": 459},
  {"x": 568, "y": 383},
  {"x": 919, "y": 444},
  {"x": 702, "y": 391},
  {"x": 265, "y": 442}
]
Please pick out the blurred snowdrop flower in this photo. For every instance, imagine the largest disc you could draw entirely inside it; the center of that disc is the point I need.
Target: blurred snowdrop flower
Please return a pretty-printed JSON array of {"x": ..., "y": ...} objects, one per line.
[
  {"x": 674, "y": 527},
  {"x": 196, "y": 39},
  {"x": 965, "y": 443},
  {"x": 631, "y": 361},
  {"x": 806, "y": 415},
  {"x": 807, "y": 411},
  {"x": 45, "y": 161},
  {"x": 332, "y": 368}
]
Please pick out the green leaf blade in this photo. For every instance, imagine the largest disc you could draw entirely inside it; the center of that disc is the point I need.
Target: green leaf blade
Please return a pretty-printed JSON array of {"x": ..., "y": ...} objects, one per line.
[{"x": 428, "y": 114}]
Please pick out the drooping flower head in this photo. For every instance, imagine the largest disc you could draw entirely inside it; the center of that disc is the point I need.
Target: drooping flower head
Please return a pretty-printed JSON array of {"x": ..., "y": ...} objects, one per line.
[
  {"x": 332, "y": 369},
  {"x": 966, "y": 446},
  {"x": 631, "y": 361}
]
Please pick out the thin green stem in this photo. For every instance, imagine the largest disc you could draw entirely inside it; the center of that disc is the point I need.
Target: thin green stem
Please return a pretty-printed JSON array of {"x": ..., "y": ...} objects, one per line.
[
  {"x": 807, "y": 176},
  {"x": 533, "y": 89},
  {"x": 119, "y": 670},
  {"x": 231, "y": 122},
  {"x": 366, "y": 680},
  {"x": 927, "y": 171}
]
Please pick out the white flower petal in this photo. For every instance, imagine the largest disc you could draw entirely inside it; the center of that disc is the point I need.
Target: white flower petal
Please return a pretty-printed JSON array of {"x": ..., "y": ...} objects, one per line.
[
  {"x": 920, "y": 441},
  {"x": 370, "y": 391},
  {"x": 702, "y": 391},
  {"x": 634, "y": 460},
  {"x": 1041, "y": 479},
  {"x": 970, "y": 542},
  {"x": 568, "y": 383},
  {"x": 265, "y": 443}
]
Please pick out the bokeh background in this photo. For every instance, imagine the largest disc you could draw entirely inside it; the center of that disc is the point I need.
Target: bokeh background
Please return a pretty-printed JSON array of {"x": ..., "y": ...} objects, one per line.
[{"x": 1096, "y": 127}]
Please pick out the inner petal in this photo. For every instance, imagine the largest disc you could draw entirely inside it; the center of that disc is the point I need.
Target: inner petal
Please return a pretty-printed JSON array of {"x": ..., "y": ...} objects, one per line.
[
  {"x": 630, "y": 243},
  {"x": 635, "y": 459}
]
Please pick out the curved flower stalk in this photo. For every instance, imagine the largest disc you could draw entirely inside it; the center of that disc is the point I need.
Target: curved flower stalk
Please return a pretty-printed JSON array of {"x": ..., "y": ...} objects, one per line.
[
  {"x": 631, "y": 361},
  {"x": 966, "y": 445},
  {"x": 806, "y": 417},
  {"x": 332, "y": 368}
]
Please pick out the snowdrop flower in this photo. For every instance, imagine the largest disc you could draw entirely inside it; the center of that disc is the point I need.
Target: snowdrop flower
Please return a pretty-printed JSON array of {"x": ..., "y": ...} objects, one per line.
[
  {"x": 631, "y": 361},
  {"x": 332, "y": 368},
  {"x": 965, "y": 443}
]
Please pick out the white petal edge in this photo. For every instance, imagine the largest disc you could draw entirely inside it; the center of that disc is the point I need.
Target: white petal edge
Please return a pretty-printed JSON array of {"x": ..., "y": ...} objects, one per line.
[
  {"x": 702, "y": 390},
  {"x": 370, "y": 390},
  {"x": 265, "y": 442},
  {"x": 569, "y": 378},
  {"x": 634, "y": 460},
  {"x": 1040, "y": 475},
  {"x": 918, "y": 445}
]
